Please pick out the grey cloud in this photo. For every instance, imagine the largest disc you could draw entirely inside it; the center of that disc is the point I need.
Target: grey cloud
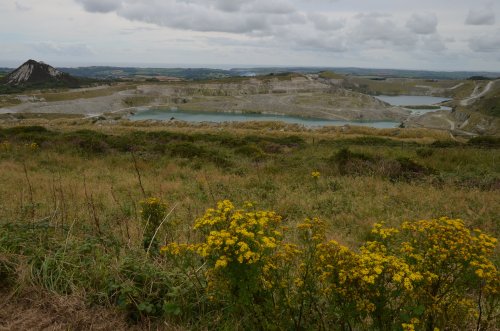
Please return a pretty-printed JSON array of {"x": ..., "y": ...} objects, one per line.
[
  {"x": 270, "y": 7},
  {"x": 371, "y": 15},
  {"x": 100, "y": 6},
  {"x": 229, "y": 5},
  {"x": 433, "y": 43},
  {"x": 307, "y": 37},
  {"x": 22, "y": 7},
  {"x": 62, "y": 49},
  {"x": 379, "y": 29},
  {"x": 317, "y": 43},
  {"x": 422, "y": 23},
  {"x": 284, "y": 24},
  {"x": 481, "y": 16},
  {"x": 324, "y": 23},
  {"x": 486, "y": 43},
  {"x": 142, "y": 29},
  {"x": 233, "y": 16},
  {"x": 194, "y": 17}
]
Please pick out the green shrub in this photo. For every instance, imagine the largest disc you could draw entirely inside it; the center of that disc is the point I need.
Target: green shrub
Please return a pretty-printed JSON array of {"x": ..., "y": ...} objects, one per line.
[
  {"x": 402, "y": 168},
  {"x": 8, "y": 272},
  {"x": 424, "y": 152},
  {"x": 446, "y": 144},
  {"x": 251, "y": 151},
  {"x": 485, "y": 141},
  {"x": 142, "y": 289},
  {"x": 187, "y": 150},
  {"x": 153, "y": 213}
]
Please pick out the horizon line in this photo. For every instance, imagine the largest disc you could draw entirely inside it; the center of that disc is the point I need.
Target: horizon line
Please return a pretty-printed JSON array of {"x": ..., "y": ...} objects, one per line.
[{"x": 4, "y": 64}]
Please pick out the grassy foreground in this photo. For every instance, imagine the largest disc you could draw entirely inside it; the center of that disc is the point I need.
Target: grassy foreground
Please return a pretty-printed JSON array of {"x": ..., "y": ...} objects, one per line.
[{"x": 77, "y": 218}]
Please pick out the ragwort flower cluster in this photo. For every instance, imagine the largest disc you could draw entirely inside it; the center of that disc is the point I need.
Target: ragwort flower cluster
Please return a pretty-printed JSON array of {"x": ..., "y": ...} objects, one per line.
[
  {"x": 237, "y": 236},
  {"x": 425, "y": 275},
  {"x": 238, "y": 246},
  {"x": 454, "y": 265},
  {"x": 371, "y": 282}
]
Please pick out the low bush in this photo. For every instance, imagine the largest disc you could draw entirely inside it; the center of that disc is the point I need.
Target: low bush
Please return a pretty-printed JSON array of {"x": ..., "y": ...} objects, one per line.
[
  {"x": 402, "y": 168},
  {"x": 87, "y": 141}
]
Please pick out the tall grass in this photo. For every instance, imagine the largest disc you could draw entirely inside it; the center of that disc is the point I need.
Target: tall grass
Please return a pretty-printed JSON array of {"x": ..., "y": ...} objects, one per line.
[{"x": 70, "y": 200}]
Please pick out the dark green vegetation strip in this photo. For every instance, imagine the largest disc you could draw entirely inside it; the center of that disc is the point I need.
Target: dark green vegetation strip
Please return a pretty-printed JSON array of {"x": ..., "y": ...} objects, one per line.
[
  {"x": 382, "y": 157},
  {"x": 201, "y": 147}
]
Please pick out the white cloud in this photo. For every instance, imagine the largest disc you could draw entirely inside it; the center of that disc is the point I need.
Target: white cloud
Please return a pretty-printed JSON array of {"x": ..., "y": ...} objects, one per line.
[
  {"x": 422, "y": 23},
  {"x": 481, "y": 16}
]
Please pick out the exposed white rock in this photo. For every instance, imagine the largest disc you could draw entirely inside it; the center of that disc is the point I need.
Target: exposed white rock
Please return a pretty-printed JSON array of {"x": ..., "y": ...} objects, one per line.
[
  {"x": 54, "y": 72},
  {"x": 22, "y": 74}
]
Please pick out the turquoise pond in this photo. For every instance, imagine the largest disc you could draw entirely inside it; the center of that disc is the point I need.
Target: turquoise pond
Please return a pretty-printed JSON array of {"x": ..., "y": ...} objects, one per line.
[{"x": 214, "y": 117}]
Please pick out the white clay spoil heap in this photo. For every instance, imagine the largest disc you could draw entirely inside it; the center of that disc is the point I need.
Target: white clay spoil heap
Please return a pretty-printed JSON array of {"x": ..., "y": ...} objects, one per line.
[{"x": 33, "y": 72}]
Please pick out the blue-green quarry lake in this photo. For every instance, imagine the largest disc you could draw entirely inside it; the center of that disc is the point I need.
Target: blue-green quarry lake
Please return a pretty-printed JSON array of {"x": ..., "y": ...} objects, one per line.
[
  {"x": 216, "y": 117},
  {"x": 414, "y": 100}
]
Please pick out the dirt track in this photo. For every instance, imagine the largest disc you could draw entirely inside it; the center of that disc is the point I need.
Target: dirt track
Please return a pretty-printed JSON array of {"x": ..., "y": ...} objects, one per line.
[{"x": 476, "y": 94}]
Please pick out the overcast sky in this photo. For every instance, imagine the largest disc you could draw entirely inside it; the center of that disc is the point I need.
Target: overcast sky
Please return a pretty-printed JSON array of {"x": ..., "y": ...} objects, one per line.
[{"x": 412, "y": 34}]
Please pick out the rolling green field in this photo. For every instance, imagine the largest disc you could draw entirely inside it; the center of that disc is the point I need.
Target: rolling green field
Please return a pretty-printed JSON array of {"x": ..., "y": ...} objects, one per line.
[{"x": 72, "y": 221}]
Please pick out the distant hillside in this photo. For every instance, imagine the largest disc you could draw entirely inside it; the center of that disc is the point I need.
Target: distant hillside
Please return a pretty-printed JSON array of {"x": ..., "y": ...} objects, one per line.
[
  {"x": 133, "y": 73},
  {"x": 4, "y": 72},
  {"x": 207, "y": 73},
  {"x": 114, "y": 73},
  {"x": 395, "y": 73}
]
